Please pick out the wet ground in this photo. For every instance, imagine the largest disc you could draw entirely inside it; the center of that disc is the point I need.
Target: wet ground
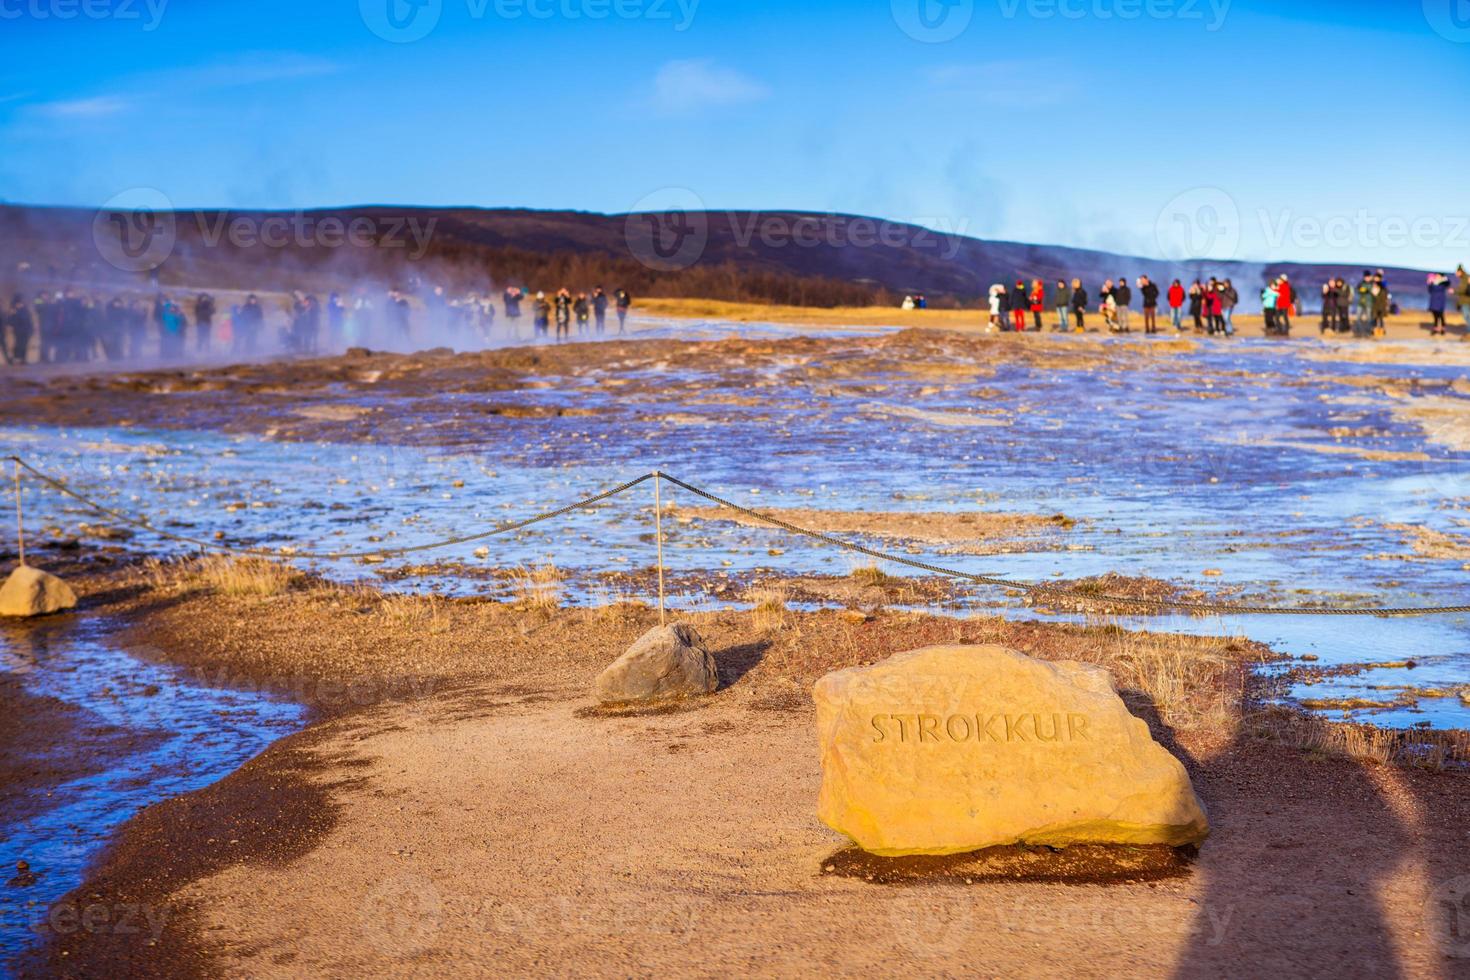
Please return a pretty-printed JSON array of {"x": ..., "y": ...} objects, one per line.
[
  {"x": 1256, "y": 471},
  {"x": 104, "y": 735}
]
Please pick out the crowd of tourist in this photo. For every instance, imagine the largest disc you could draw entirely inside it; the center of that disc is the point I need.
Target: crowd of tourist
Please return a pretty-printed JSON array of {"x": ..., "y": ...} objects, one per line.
[
  {"x": 72, "y": 326},
  {"x": 1209, "y": 306}
]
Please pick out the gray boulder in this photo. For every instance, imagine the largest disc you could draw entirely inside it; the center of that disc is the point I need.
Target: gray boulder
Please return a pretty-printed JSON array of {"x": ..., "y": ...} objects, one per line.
[{"x": 666, "y": 663}]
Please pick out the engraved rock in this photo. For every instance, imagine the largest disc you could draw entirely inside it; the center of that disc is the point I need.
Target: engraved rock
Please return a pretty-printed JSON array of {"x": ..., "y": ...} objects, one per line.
[
  {"x": 953, "y": 749},
  {"x": 31, "y": 592},
  {"x": 667, "y": 662}
]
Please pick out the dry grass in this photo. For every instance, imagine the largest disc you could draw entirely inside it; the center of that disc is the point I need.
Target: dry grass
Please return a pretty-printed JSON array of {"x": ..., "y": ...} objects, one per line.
[
  {"x": 416, "y": 613},
  {"x": 769, "y": 612},
  {"x": 1180, "y": 674},
  {"x": 1199, "y": 685},
  {"x": 223, "y": 574},
  {"x": 871, "y": 576},
  {"x": 538, "y": 588},
  {"x": 1417, "y": 747}
]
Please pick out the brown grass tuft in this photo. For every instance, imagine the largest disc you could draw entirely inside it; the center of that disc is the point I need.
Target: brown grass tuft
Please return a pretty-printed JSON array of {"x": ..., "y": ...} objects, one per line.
[
  {"x": 538, "y": 588},
  {"x": 769, "y": 612},
  {"x": 223, "y": 574}
]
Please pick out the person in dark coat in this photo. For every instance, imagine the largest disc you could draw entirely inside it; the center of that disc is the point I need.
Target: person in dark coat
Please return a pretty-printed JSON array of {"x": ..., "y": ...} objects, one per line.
[
  {"x": 1063, "y": 303},
  {"x": 203, "y": 321},
  {"x": 1079, "y": 303},
  {"x": 599, "y": 309},
  {"x": 1344, "y": 306},
  {"x": 1149, "y": 291},
  {"x": 1197, "y": 306},
  {"x": 624, "y": 303},
  {"x": 115, "y": 329},
  {"x": 1123, "y": 297},
  {"x": 22, "y": 328},
  {"x": 249, "y": 324}
]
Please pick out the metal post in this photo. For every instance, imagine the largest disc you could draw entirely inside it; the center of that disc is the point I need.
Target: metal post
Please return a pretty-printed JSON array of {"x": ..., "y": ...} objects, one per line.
[
  {"x": 658, "y": 521},
  {"x": 20, "y": 528}
]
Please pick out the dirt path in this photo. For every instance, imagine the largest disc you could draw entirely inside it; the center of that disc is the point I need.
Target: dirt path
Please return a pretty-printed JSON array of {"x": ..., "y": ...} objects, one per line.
[
  {"x": 489, "y": 818},
  {"x": 500, "y": 828}
]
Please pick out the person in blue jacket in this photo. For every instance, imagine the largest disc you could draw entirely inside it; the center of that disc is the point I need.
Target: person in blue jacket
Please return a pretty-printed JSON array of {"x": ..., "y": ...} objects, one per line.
[{"x": 1439, "y": 288}]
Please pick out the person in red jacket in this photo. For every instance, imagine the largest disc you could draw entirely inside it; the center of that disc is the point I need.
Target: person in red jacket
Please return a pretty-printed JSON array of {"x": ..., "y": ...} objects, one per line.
[
  {"x": 1176, "y": 305},
  {"x": 1019, "y": 307},
  {"x": 1285, "y": 304},
  {"x": 1038, "y": 302}
]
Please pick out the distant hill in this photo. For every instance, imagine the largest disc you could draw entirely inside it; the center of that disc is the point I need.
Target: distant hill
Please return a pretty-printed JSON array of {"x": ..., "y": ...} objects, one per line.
[{"x": 805, "y": 259}]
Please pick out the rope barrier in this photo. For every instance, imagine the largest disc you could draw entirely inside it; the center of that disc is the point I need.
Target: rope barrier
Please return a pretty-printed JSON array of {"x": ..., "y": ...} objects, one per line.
[
  {"x": 383, "y": 553},
  {"x": 1046, "y": 590},
  {"x": 1041, "y": 590}
]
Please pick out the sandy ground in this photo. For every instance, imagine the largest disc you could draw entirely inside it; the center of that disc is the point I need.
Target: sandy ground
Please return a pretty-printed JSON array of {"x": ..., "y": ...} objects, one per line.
[
  {"x": 459, "y": 802},
  {"x": 972, "y": 533}
]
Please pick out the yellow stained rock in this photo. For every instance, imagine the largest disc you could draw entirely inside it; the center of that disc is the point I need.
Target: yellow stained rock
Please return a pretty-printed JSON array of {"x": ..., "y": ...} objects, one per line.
[
  {"x": 953, "y": 749},
  {"x": 31, "y": 592}
]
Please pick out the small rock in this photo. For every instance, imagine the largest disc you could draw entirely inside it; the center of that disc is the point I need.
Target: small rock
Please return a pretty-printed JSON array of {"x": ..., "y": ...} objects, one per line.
[
  {"x": 666, "y": 663},
  {"x": 31, "y": 592},
  {"x": 24, "y": 878}
]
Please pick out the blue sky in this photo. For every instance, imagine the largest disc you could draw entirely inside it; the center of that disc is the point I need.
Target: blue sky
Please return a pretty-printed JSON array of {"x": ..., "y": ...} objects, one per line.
[{"x": 1161, "y": 127}]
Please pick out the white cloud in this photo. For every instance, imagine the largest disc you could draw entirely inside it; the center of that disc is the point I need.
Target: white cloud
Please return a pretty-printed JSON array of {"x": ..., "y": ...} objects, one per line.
[
  {"x": 145, "y": 89},
  {"x": 247, "y": 68},
  {"x": 96, "y": 107},
  {"x": 691, "y": 85}
]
